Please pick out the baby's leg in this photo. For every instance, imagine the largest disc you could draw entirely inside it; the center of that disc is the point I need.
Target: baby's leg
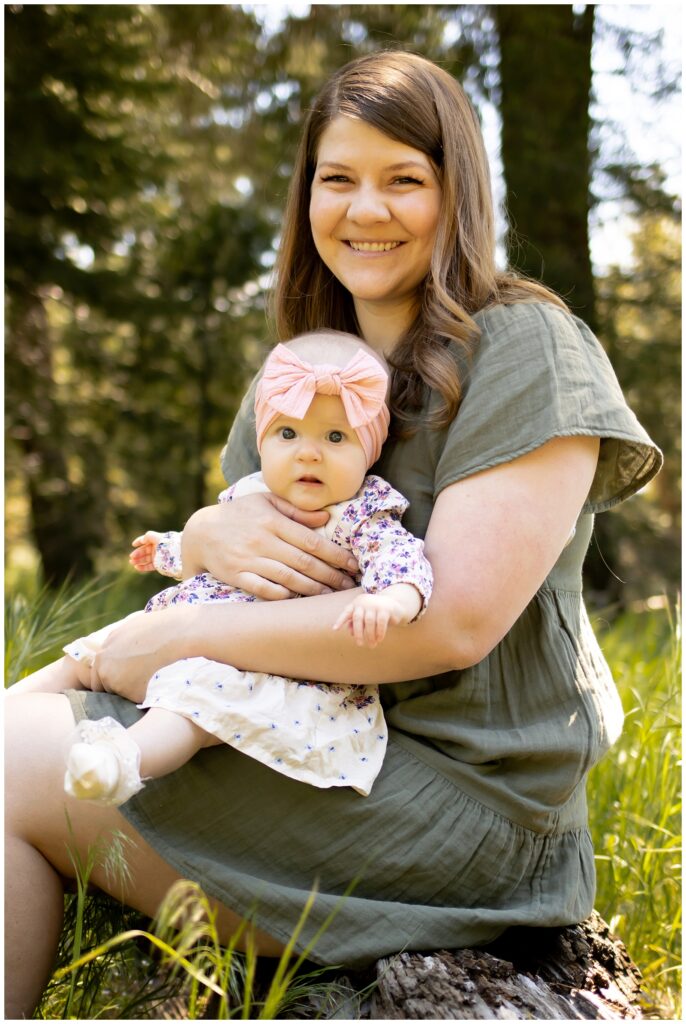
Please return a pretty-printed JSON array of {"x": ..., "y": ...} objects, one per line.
[
  {"x": 107, "y": 762},
  {"x": 166, "y": 741},
  {"x": 54, "y": 678}
]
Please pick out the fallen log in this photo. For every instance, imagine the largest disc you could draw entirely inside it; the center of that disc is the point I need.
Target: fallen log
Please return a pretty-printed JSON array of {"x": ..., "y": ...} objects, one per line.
[{"x": 580, "y": 972}]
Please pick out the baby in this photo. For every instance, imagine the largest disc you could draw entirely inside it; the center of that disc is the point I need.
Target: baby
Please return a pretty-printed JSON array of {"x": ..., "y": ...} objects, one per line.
[{"x": 321, "y": 420}]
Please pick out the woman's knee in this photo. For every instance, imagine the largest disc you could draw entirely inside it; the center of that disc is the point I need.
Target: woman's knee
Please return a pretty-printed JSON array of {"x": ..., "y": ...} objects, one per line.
[{"x": 37, "y": 730}]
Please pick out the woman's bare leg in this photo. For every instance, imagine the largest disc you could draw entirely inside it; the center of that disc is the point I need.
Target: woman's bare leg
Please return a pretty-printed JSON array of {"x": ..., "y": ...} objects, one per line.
[{"x": 36, "y": 850}]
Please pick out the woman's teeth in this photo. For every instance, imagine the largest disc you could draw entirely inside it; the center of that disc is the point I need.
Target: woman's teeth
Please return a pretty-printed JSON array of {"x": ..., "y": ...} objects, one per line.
[{"x": 373, "y": 246}]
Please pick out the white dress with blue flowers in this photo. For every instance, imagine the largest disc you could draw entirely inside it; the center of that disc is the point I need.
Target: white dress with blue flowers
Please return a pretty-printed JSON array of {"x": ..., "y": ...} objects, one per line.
[{"x": 321, "y": 733}]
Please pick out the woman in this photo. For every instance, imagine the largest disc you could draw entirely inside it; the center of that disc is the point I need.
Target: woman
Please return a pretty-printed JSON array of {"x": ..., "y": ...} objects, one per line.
[{"x": 510, "y": 432}]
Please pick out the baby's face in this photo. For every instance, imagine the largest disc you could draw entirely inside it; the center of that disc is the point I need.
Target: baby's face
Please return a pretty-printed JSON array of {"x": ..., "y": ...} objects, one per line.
[{"x": 316, "y": 461}]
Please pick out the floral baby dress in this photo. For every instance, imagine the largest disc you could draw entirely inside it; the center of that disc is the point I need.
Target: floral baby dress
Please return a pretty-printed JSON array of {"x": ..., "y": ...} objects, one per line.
[{"x": 321, "y": 733}]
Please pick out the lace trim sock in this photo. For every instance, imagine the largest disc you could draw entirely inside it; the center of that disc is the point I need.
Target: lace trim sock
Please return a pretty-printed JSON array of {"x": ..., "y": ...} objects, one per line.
[{"x": 103, "y": 763}]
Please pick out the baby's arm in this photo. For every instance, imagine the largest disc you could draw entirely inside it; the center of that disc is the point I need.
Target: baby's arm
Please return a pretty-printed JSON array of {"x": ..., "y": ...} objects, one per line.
[
  {"x": 161, "y": 552},
  {"x": 395, "y": 573},
  {"x": 368, "y": 616}
]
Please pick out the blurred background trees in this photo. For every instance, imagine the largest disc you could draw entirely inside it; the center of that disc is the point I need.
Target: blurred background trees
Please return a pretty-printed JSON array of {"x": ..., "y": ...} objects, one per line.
[{"x": 148, "y": 152}]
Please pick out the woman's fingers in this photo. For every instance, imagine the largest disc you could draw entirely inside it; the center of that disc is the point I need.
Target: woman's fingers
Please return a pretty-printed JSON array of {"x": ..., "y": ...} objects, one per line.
[
  {"x": 308, "y": 571},
  {"x": 95, "y": 681},
  {"x": 297, "y": 528},
  {"x": 314, "y": 556},
  {"x": 274, "y": 580},
  {"x": 261, "y": 587}
]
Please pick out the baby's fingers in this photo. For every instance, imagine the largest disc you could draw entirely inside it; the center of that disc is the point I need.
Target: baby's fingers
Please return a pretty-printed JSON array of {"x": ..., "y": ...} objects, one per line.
[
  {"x": 382, "y": 621},
  {"x": 364, "y": 626},
  {"x": 141, "y": 560},
  {"x": 343, "y": 618}
]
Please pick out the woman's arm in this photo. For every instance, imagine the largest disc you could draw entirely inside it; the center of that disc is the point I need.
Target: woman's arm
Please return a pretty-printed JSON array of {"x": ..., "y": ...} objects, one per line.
[{"x": 492, "y": 540}]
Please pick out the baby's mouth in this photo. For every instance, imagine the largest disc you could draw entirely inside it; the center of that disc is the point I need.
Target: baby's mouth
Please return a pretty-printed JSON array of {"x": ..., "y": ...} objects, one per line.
[{"x": 308, "y": 480}]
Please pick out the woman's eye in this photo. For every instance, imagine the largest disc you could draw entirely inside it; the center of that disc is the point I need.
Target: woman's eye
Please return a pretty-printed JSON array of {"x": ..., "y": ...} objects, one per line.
[
  {"x": 407, "y": 180},
  {"x": 335, "y": 179},
  {"x": 287, "y": 433},
  {"x": 335, "y": 436}
]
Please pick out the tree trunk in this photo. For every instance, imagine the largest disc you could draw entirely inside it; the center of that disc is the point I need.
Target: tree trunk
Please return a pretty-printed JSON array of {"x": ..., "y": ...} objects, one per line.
[
  {"x": 64, "y": 521},
  {"x": 545, "y": 79}
]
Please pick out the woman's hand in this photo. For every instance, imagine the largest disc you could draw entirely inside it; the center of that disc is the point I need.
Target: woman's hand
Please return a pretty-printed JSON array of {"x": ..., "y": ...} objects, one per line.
[
  {"x": 266, "y": 546},
  {"x": 137, "y": 648}
]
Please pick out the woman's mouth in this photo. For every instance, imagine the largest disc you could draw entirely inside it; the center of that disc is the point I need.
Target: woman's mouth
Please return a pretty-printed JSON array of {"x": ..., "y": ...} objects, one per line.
[{"x": 372, "y": 246}]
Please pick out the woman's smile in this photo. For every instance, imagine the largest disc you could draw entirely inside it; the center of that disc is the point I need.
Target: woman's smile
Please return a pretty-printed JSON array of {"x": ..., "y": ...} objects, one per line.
[{"x": 372, "y": 246}]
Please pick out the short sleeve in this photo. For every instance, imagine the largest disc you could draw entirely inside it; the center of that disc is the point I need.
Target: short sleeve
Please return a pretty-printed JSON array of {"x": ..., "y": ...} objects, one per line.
[
  {"x": 540, "y": 373},
  {"x": 239, "y": 456}
]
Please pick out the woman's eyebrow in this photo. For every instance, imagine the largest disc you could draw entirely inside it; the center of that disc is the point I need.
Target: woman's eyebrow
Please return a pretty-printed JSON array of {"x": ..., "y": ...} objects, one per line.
[
  {"x": 407, "y": 163},
  {"x": 391, "y": 167}
]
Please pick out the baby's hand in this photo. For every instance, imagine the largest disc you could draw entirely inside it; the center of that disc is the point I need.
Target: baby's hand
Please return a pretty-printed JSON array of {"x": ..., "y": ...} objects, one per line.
[
  {"x": 141, "y": 558},
  {"x": 368, "y": 616}
]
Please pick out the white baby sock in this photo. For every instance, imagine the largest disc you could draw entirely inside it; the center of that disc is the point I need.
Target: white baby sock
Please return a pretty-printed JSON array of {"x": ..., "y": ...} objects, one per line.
[{"x": 103, "y": 763}]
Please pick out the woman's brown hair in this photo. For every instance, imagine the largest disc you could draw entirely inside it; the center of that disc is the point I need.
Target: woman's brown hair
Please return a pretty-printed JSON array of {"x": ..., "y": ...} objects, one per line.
[{"x": 414, "y": 102}]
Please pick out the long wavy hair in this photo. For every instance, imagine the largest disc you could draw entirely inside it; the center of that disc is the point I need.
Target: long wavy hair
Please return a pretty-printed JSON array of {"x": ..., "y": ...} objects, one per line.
[{"x": 414, "y": 102}]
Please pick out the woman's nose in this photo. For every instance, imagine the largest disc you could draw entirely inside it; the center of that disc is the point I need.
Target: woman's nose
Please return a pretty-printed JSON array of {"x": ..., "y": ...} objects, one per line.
[{"x": 368, "y": 206}]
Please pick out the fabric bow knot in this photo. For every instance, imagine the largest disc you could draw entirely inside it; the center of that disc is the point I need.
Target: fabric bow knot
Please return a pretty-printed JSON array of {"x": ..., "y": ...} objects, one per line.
[{"x": 289, "y": 384}]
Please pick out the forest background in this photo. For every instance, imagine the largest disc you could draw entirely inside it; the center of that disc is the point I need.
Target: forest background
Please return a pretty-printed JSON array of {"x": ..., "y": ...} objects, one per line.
[{"x": 148, "y": 153}]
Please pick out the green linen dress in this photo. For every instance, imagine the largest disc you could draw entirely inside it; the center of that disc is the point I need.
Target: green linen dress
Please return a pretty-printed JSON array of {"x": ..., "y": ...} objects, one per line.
[{"x": 478, "y": 819}]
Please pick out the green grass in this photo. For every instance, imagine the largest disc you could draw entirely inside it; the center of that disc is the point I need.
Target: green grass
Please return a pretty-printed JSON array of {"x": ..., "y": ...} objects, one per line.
[
  {"x": 113, "y": 964},
  {"x": 127, "y": 966},
  {"x": 635, "y": 803},
  {"x": 39, "y": 621}
]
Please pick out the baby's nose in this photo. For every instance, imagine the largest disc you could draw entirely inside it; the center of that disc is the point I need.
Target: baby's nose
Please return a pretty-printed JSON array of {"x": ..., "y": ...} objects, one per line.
[{"x": 309, "y": 452}]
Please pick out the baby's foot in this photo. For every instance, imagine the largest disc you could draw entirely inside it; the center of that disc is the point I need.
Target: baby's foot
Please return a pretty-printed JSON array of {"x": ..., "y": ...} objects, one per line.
[{"x": 103, "y": 763}]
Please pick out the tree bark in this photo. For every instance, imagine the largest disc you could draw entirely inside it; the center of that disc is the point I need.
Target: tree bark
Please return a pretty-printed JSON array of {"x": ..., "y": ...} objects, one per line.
[
  {"x": 545, "y": 81},
  {"x": 576, "y": 973}
]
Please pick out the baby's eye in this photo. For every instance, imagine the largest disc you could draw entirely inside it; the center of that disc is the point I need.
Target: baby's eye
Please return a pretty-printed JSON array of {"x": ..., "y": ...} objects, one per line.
[
  {"x": 287, "y": 433},
  {"x": 335, "y": 436}
]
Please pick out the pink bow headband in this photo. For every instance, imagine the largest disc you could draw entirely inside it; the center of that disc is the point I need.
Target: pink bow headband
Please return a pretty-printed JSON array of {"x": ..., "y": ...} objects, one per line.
[{"x": 289, "y": 384}]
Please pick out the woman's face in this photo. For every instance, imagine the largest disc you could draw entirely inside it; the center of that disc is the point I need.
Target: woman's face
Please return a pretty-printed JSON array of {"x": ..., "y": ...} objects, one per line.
[{"x": 374, "y": 210}]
